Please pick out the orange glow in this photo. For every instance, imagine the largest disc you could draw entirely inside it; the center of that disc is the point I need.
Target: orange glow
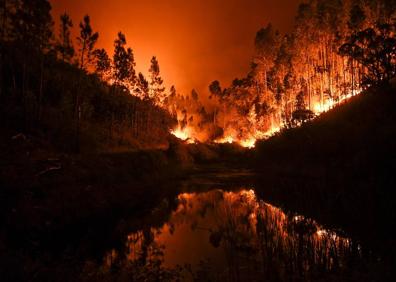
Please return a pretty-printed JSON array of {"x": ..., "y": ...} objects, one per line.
[
  {"x": 183, "y": 134},
  {"x": 327, "y": 105},
  {"x": 246, "y": 143},
  {"x": 225, "y": 31},
  {"x": 249, "y": 142},
  {"x": 258, "y": 134},
  {"x": 185, "y": 236},
  {"x": 188, "y": 37}
]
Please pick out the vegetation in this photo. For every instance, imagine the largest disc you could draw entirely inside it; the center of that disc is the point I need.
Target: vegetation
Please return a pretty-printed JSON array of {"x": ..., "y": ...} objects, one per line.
[
  {"x": 336, "y": 49},
  {"x": 339, "y": 168},
  {"x": 63, "y": 96},
  {"x": 68, "y": 110}
]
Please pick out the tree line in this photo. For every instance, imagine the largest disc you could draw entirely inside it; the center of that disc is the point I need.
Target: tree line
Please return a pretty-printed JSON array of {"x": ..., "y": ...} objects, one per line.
[
  {"x": 75, "y": 95},
  {"x": 336, "y": 49}
]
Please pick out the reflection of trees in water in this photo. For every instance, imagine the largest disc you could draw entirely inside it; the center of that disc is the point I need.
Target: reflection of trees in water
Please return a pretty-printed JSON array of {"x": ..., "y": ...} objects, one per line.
[
  {"x": 259, "y": 241},
  {"x": 142, "y": 260}
]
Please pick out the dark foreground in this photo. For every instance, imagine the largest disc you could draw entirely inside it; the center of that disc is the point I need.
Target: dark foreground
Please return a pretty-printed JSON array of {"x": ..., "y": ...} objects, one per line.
[{"x": 218, "y": 224}]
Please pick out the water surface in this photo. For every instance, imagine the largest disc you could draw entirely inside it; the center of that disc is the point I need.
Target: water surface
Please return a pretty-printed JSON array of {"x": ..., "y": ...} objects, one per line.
[{"x": 220, "y": 235}]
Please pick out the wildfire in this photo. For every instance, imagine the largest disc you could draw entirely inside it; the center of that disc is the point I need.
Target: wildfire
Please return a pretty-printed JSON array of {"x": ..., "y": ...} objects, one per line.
[
  {"x": 231, "y": 136},
  {"x": 327, "y": 105},
  {"x": 183, "y": 134},
  {"x": 246, "y": 143},
  {"x": 249, "y": 142}
]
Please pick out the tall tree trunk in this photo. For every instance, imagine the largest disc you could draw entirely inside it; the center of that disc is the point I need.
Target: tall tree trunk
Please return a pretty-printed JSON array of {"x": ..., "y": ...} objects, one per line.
[
  {"x": 40, "y": 98},
  {"x": 24, "y": 101},
  {"x": 2, "y": 48},
  {"x": 77, "y": 121},
  {"x": 265, "y": 84},
  {"x": 353, "y": 76}
]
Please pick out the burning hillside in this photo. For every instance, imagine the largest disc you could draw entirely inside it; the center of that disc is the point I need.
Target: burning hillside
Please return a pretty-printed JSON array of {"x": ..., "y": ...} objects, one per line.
[{"x": 326, "y": 60}]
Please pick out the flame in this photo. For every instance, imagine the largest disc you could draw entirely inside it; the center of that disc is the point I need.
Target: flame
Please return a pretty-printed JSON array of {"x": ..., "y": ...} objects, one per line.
[
  {"x": 189, "y": 134},
  {"x": 246, "y": 143},
  {"x": 249, "y": 142},
  {"x": 183, "y": 134},
  {"x": 327, "y": 105}
]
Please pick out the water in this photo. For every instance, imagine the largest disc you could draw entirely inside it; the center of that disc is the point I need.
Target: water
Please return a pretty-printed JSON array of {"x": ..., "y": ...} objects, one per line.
[{"x": 219, "y": 235}]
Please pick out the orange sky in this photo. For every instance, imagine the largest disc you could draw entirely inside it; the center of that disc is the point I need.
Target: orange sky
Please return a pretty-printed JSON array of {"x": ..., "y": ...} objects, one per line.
[{"x": 195, "y": 41}]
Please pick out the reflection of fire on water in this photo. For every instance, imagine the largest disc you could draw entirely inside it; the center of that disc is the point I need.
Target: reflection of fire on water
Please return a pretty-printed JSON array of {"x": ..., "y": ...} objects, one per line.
[{"x": 219, "y": 225}]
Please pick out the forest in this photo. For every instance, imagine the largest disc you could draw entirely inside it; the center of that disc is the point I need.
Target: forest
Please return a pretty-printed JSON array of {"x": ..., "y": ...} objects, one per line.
[
  {"x": 287, "y": 173},
  {"x": 336, "y": 50},
  {"x": 74, "y": 96},
  {"x": 66, "y": 90}
]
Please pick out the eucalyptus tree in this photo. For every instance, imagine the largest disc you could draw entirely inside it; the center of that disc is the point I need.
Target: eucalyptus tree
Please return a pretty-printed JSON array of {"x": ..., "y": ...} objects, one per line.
[
  {"x": 375, "y": 49},
  {"x": 267, "y": 42}
]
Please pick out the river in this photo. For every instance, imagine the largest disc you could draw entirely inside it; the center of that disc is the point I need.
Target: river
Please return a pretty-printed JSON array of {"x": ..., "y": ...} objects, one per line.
[{"x": 217, "y": 229}]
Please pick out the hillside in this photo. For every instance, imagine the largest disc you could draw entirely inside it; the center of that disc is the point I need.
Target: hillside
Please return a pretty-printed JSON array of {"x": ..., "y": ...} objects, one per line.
[{"x": 340, "y": 167}]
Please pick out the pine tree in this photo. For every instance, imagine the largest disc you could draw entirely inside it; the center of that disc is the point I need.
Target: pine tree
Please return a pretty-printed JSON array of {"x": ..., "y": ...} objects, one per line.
[
  {"x": 142, "y": 87},
  {"x": 103, "y": 64},
  {"x": 157, "y": 91},
  {"x": 65, "y": 44},
  {"x": 87, "y": 41},
  {"x": 124, "y": 63}
]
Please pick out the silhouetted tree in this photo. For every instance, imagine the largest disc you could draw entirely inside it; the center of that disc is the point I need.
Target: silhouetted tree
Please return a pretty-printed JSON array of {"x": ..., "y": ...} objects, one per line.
[
  {"x": 157, "y": 91},
  {"x": 142, "y": 87},
  {"x": 124, "y": 63},
  {"x": 32, "y": 24},
  {"x": 87, "y": 41},
  {"x": 375, "y": 49},
  {"x": 103, "y": 64},
  {"x": 215, "y": 89},
  {"x": 65, "y": 44}
]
